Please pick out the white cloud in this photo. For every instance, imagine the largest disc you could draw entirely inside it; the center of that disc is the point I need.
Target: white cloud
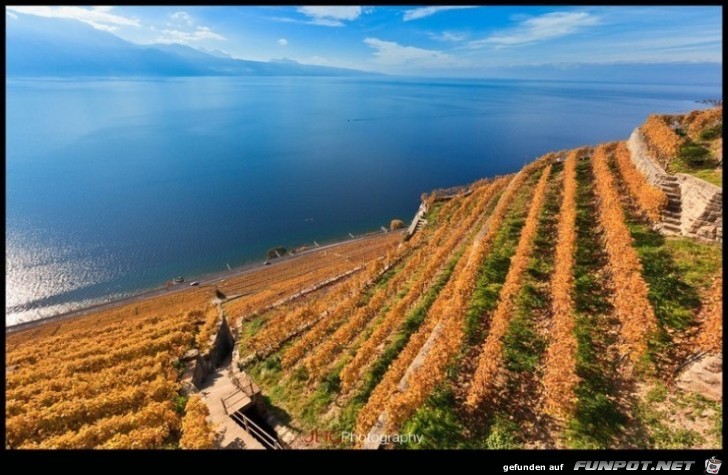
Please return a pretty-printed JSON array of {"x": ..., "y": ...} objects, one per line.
[
  {"x": 11, "y": 14},
  {"x": 198, "y": 34},
  {"x": 100, "y": 18},
  {"x": 282, "y": 42},
  {"x": 422, "y": 12},
  {"x": 448, "y": 36},
  {"x": 182, "y": 17},
  {"x": 543, "y": 27},
  {"x": 330, "y": 16},
  {"x": 389, "y": 53}
]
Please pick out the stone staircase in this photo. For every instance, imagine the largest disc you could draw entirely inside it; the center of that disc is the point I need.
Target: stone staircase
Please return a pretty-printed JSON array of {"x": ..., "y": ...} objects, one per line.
[
  {"x": 670, "y": 223},
  {"x": 421, "y": 223}
]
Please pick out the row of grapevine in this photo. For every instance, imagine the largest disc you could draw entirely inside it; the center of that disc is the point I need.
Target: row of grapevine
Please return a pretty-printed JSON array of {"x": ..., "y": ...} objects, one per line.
[
  {"x": 105, "y": 388},
  {"x": 324, "y": 354},
  {"x": 267, "y": 286},
  {"x": 711, "y": 318},
  {"x": 135, "y": 349},
  {"x": 210, "y": 317},
  {"x": 661, "y": 140},
  {"x": 154, "y": 414},
  {"x": 333, "y": 319},
  {"x": 632, "y": 307},
  {"x": 288, "y": 323},
  {"x": 457, "y": 289},
  {"x": 491, "y": 355},
  {"x": 697, "y": 121},
  {"x": 35, "y": 425},
  {"x": 197, "y": 433},
  {"x": 78, "y": 340},
  {"x": 43, "y": 394},
  {"x": 650, "y": 199},
  {"x": 368, "y": 352},
  {"x": 560, "y": 379}
]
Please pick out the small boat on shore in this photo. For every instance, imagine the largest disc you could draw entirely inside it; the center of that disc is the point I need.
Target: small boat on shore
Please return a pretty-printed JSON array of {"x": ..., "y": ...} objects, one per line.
[{"x": 179, "y": 280}]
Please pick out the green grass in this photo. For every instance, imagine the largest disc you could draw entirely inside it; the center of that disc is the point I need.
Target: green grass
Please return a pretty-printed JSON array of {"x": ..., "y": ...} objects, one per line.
[
  {"x": 657, "y": 408},
  {"x": 436, "y": 422},
  {"x": 696, "y": 159},
  {"x": 597, "y": 420},
  {"x": 675, "y": 270},
  {"x": 673, "y": 299},
  {"x": 494, "y": 269}
]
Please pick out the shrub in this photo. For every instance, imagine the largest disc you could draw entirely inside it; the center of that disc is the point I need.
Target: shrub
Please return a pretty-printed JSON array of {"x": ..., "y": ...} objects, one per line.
[
  {"x": 694, "y": 155},
  {"x": 396, "y": 224}
]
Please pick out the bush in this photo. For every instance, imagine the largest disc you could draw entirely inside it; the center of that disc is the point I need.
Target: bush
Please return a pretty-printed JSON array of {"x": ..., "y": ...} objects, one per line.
[
  {"x": 694, "y": 155},
  {"x": 711, "y": 133},
  {"x": 396, "y": 224}
]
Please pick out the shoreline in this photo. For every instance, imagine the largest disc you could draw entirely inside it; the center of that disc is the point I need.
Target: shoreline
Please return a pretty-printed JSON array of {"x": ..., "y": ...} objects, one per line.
[{"x": 204, "y": 280}]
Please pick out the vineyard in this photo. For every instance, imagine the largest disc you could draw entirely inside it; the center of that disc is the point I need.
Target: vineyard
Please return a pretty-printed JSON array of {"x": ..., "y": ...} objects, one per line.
[{"x": 539, "y": 309}]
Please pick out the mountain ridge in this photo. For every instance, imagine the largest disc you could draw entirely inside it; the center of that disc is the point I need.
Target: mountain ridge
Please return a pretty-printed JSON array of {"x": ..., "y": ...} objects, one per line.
[{"x": 43, "y": 47}]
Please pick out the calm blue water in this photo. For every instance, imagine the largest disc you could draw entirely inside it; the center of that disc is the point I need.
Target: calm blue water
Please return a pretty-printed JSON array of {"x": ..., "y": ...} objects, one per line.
[{"x": 117, "y": 186}]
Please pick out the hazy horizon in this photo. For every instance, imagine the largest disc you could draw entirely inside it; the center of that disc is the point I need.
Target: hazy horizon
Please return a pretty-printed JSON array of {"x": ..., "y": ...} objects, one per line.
[{"x": 628, "y": 44}]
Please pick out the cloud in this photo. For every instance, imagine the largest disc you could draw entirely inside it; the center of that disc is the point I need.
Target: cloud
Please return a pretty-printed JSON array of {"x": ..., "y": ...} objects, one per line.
[
  {"x": 448, "y": 36},
  {"x": 422, "y": 12},
  {"x": 183, "y": 17},
  {"x": 389, "y": 53},
  {"x": 11, "y": 14},
  {"x": 330, "y": 16},
  {"x": 282, "y": 42},
  {"x": 100, "y": 18},
  {"x": 198, "y": 34},
  {"x": 543, "y": 27}
]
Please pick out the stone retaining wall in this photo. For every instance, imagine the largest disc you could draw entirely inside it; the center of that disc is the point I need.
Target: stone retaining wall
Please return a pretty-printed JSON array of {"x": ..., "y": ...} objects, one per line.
[
  {"x": 205, "y": 364},
  {"x": 641, "y": 158},
  {"x": 702, "y": 208}
]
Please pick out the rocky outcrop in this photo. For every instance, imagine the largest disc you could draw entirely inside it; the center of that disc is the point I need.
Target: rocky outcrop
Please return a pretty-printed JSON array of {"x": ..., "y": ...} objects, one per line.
[{"x": 704, "y": 376}]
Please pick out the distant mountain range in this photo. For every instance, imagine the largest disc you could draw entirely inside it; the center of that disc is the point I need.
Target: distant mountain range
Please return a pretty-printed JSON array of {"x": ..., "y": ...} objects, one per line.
[{"x": 53, "y": 47}]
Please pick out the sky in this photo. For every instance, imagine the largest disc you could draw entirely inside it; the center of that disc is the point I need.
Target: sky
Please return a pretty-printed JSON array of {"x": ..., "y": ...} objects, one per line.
[{"x": 443, "y": 41}]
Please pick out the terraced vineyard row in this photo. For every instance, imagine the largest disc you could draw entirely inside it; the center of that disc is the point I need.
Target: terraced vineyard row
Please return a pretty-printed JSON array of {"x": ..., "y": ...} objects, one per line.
[{"x": 380, "y": 358}]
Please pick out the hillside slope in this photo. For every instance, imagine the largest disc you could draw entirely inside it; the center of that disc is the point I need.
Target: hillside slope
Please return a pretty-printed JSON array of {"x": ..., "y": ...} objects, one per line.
[{"x": 536, "y": 310}]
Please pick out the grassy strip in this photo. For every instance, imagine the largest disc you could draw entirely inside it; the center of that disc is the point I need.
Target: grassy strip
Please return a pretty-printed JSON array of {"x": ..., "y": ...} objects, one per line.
[
  {"x": 597, "y": 419},
  {"x": 495, "y": 268},
  {"x": 523, "y": 345}
]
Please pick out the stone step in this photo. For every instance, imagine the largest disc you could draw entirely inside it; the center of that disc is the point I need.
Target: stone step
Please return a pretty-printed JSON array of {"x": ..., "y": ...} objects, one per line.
[
  {"x": 671, "y": 221},
  {"x": 668, "y": 178},
  {"x": 674, "y": 207},
  {"x": 671, "y": 214},
  {"x": 670, "y": 228},
  {"x": 668, "y": 184}
]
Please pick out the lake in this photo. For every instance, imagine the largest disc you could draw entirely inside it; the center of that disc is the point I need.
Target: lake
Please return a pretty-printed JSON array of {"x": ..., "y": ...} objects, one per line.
[{"x": 116, "y": 186}]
